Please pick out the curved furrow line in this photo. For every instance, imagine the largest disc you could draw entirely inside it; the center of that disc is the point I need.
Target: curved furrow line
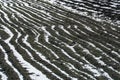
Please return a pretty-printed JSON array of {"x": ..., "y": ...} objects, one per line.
[
  {"x": 36, "y": 60},
  {"x": 43, "y": 40},
  {"x": 84, "y": 19},
  {"x": 47, "y": 48},
  {"x": 16, "y": 73},
  {"x": 110, "y": 46},
  {"x": 23, "y": 8},
  {"x": 97, "y": 60},
  {"x": 68, "y": 52},
  {"x": 7, "y": 49},
  {"x": 82, "y": 35},
  {"x": 3, "y": 76},
  {"x": 101, "y": 25},
  {"x": 93, "y": 8},
  {"x": 41, "y": 67},
  {"x": 80, "y": 6},
  {"x": 54, "y": 33},
  {"x": 51, "y": 13},
  {"x": 64, "y": 53},
  {"x": 35, "y": 16},
  {"x": 4, "y": 14},
  {"x": 7, "y": 66},
  {"x": 98, "y": 31},
  {"x": 36, "y": 40},
  {"x": 84, "y": 39},
  {"x": 28, "y": 16},
  {"x": 54, "y": 45},
  {"x": 43, "y": 14},
  {"x": 106, "y": 31},
  {"x": 112, "y": 59},
  {"x": 105, "y": 73},
  {"x": 47, "y": 61},
  {"x": 21, "y": 61},
  {"x": 61, "y": 16},
  {"x": 53, "y": 18},
  {"x": 38, "y": 76},
  {"x": 18, "y": 66},
  {"x": 28, "y": 45},
  {"x": 20, "y": 17},
  {"x": 64, "y": 37},
  {"x": 62, "y": 12},
  {"x": 35, "y": 75}
]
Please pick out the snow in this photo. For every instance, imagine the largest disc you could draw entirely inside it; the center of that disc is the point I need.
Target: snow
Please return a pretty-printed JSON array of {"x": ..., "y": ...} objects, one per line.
[
  {"x": 116, "y": 53},
  {"x": 60, "y": 26},
  {"x": 25, "y": 64},
  {"x": 6, "y": 56},
  {"x": 96, "y": 73},
  {"x": 42, "y": 57},
  {"x": 46, "y": 34},
  {"x": 3, "y": 76}
]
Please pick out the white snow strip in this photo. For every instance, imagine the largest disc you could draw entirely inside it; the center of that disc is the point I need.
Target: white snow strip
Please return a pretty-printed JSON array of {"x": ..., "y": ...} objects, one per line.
[
  {"x": 43, "y": 57},
  {"x": 71, "y": 67},
  {"x": 71, "y": 47},
  {"x": 25, "y": 64},
  {"x": 52, "y": 27},
  {"x": 116, "y": 53},
  {"x": 47, "y": 34},
  {"x": 60, "y": 26},
  {"x": 90, "y": 67},
  {"x": 10, "y": 64},
  {"x": 3, "y": 76},
  {"x": 36, "y": 40},
  {"x": 40, "y": 55},
  {"x": 106, "y": 54},
  {"x": 5, "y": 15},
  {"x": 96, "y": 73},
  {"x": 25, "y": 41},
  {"x": 91, "y": 44},
  {"x": 106, "y": 74}
]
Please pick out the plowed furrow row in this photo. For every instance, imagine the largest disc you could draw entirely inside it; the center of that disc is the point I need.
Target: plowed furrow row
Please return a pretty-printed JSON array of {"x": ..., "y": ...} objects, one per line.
[{"x": 42, "y": 40}]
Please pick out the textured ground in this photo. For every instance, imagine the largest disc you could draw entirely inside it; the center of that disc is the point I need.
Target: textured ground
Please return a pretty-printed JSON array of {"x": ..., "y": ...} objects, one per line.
[{"x": 44, "y": 41}]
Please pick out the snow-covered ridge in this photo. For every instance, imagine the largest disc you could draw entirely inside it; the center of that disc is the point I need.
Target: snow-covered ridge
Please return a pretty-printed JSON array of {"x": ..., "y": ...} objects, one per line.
[{"x": 40, "y": 40}]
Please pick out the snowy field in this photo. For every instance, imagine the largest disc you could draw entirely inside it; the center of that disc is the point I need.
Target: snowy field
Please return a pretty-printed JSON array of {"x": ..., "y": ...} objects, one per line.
[{"x": 59, "y": 40}]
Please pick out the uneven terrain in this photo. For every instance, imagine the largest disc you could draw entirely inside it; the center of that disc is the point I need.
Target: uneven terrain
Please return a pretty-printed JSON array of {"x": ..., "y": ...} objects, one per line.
[{"x": 44, "y": 41}]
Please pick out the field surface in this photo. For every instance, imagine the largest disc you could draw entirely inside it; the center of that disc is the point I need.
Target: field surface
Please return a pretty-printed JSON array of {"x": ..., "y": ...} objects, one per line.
[{"x": 53, "y": 40}]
